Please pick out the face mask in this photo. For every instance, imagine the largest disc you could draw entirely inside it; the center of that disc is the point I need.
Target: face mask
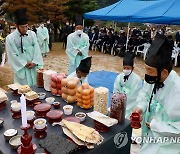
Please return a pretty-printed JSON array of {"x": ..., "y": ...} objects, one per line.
[
  {"x": 127, "y": 72},
  {"x": 79, "y": 32},
  {"x": 42, "y": 25},
  {"x": 82, "y": 78},
  {"x": 48, "y": 22},
  {"x": 150, "y": 79}
]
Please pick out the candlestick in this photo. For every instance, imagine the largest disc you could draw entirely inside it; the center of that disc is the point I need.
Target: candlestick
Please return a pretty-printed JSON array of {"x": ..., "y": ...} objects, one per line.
[
  {"x": 23, "y": 111},
  {"x": 27, "y": 146}
]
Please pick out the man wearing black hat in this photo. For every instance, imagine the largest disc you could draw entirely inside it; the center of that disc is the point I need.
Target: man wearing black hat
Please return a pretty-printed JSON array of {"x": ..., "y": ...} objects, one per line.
[
  {"x": 77, "y": 47},
  {"x": 23, "y": 51},
  {"x": 159, "y": 102},
  {"x": 82, "y": 70},
  {"x": 128, "y": 82}
]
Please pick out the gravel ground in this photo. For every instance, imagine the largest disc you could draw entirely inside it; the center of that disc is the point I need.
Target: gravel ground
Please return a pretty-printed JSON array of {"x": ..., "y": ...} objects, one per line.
[{"x": 58, "y": 61}]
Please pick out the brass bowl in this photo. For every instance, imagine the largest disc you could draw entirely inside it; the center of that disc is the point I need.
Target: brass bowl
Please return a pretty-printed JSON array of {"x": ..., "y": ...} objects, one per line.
[
  {"x": 8, "y": 134},
  {"x": 15, "y": 141}
]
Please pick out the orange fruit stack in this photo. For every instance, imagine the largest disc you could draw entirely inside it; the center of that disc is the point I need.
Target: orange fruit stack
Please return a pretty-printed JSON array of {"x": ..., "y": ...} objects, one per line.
[
  {"x": 85, "y": 96},
  {"x": 69, "y": 87}
]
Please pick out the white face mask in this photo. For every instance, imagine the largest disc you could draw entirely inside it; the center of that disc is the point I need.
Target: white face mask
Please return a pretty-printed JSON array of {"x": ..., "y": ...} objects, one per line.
[
  {"x": 82, "y": 78},
  {"x": 79, "y": 32},
  {"x": 42, "y": 25},
  {"x": 127, "y": 72}
]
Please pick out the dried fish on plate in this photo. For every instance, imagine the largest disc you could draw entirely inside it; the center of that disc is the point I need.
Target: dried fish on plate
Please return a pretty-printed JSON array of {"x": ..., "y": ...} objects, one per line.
[
  {"x": 81, "y": 134},
  {"x": 107, "y": 121}
]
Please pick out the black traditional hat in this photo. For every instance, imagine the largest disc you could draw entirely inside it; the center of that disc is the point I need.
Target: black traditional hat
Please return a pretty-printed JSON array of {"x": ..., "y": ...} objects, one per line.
[
  {"x": 129, "y": 59},
  {"x": 85, "y": 65},
  {"x": 21, "y": 17},
  {"x": 79, "y": 20},
  {"x": 159, "y": 53}
]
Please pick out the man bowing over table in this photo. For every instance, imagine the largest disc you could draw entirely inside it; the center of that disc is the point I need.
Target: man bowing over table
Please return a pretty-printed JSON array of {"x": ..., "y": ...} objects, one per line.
[
  {"x": 82, "y": 71},
  {"x": 159, "y": 101},
  {"x": 23, "y": 51}
]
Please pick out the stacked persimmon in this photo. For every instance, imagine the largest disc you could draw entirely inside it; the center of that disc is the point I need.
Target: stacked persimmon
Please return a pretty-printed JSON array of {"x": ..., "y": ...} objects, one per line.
[
  {"x": 69, "y": 87},
  {"x": 85, "y": 96},
  {"x": 56, "y": 83}
]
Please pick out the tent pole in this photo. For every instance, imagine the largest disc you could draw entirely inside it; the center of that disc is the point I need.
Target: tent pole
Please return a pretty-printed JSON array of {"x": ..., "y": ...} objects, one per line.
[
  {"x": 83, "y": 23},
  {"x": 127, "y": 36},
  {"x": 115, "y": 26}
]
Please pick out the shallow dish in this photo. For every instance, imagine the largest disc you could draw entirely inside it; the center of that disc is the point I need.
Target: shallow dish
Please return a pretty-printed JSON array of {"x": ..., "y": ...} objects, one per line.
[
  {"x": 42, "y": 95},
  {"x": 68, "y": 109},
  {"x": 8, "y": 134},
  {"x": 40, "y": 123},
  {"x": 14, "y": 101},
  {"x": 30, "y": 115},
  {"x": 16, "y": 106},
  {"x": 50, "y": 100},
  {"x": 81, "y": 116},
  {"x": 15, "y": 141}
]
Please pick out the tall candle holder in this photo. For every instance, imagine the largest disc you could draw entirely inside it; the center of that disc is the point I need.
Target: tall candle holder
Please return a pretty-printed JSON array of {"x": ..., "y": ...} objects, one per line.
[{"x": 27, "y": 146}]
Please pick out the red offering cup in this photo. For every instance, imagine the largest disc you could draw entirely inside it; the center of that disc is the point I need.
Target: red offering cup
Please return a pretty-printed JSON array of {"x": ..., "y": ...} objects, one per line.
[
  {"x": 56, "y": 105},
  {"x": 135, "y": 120}
]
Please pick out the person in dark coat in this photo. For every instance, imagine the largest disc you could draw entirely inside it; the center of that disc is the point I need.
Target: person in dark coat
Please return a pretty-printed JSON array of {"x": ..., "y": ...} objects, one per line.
[{"x": 94, "y": 37}]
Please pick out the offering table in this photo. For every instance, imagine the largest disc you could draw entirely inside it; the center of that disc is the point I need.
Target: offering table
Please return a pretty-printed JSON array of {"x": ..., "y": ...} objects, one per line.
[{"x": 116, "y": 140}]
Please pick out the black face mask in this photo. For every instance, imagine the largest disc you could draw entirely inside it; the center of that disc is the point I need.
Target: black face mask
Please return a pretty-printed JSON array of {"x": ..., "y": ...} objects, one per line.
[{"x": 150, "y": 79}]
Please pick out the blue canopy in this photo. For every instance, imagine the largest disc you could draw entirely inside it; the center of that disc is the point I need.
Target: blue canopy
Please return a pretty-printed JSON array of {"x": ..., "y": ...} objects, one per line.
[
  {"x": 165, "y": 12},
  {"x": 145, "y": 11}
]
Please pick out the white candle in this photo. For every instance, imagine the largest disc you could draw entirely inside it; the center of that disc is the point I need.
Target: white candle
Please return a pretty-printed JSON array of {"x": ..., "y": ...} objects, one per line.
[{"x": 23, "y": 111}]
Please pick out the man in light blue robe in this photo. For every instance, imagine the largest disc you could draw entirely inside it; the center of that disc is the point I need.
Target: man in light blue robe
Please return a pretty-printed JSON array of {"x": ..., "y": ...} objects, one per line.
[
  {"x": 43, "y": 39},
  {"x": 129, "y": 83},
  {"x": 159, "y": 101},
  {"x": 77, "y": 48},
  {"x": 82, "y": 71},
  {"x": 23, "y": 51}
]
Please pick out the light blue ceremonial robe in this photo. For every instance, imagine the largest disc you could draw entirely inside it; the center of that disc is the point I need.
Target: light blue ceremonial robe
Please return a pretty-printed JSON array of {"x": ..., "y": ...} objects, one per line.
[
  {"x": 131, "y": 88},
  {"x": 42, "y": 33},
  {"x": 18, "y": 60},
  {"x": 74, "y": 42},
  {"x": 84, "y": 80},
  {"x": 164, "y": 116}
]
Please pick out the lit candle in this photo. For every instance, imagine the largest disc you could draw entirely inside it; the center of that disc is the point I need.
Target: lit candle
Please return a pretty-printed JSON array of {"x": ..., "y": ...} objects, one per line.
[{"x": 23, "y": 111}]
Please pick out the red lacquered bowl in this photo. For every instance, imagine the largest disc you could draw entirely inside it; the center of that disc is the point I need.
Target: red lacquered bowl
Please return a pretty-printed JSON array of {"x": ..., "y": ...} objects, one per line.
[
  {"x": 54, "y": 116},
  {"x": 72, "y": 119},
  {"x": 42, "y": 109}
]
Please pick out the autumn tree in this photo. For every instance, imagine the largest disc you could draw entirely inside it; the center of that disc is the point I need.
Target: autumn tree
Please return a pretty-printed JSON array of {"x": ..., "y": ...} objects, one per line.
[
  {"x": 79, "y": 7},
  {"x": 36, "y": 9}
]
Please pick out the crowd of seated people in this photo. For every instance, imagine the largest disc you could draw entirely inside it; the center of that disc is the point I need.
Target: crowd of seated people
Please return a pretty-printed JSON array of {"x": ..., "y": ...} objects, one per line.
[{"x": 108, "y": 41}]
